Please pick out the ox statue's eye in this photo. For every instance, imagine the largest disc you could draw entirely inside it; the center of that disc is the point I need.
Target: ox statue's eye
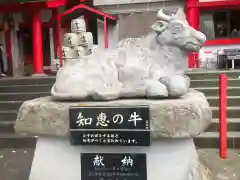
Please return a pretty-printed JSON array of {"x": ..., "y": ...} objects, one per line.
[
  {"x": 176, "y": 28},
  {"x": 160, "y": 24}
]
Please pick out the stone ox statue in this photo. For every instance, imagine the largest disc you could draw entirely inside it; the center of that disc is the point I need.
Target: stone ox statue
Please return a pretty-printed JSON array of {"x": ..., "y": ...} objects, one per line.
[{"x": 151, "y": 66}]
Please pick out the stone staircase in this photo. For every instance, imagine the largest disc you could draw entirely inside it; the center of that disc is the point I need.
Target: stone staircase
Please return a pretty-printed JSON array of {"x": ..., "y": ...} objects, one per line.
[
  {"x": 14, "y": 91},
  {"x": 207, "y": 82}
]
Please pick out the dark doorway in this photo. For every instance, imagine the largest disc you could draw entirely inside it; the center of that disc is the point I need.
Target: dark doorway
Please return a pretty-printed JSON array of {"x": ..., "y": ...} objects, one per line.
[
  {"x": 46, "y": 47},
  {"x": 25, "y": 36}
]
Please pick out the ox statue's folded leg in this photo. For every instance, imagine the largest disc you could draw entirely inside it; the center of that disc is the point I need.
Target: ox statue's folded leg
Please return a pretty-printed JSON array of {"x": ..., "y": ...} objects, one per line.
[
  {"x": 177, "y": 85},
  {"x": 154, "y": 88}
]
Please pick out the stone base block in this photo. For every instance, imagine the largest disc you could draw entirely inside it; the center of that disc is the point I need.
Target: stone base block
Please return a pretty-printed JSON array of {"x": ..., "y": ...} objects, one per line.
[
  {"x": 184, "y": 117},
  {"x": 174, "y": 159}
]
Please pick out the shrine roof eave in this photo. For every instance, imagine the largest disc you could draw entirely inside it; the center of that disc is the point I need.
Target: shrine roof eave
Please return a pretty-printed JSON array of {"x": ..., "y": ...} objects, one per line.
[
  {"x": 85, "y": 7},
  {"x": 18, "y": 6},
  {"x": 56, "y": 3}
]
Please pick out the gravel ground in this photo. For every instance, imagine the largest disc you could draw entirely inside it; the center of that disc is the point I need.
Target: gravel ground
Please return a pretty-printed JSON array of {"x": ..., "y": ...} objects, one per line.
[{"x": 15, "y": 164}]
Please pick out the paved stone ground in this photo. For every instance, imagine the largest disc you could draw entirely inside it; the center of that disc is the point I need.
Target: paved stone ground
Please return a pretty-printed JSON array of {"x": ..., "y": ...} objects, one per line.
[
  {"x": 15, "y": 164},
  {"x": 228, "y": 169}
]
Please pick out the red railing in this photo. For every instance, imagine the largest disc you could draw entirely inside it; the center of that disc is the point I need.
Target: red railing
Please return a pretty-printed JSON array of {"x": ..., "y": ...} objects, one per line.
[
  {"x": 223, "y": 116},
  {"x": 196, "y": 59}
]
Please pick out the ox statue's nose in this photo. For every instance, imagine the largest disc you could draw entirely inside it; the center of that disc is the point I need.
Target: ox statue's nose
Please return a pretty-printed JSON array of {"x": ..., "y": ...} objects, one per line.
[
  {"x": 199, "y": 35},
  {"x": 202, "y": 38}
]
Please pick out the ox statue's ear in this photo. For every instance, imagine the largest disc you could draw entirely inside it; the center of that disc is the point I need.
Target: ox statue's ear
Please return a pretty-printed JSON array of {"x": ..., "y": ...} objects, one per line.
[{"x": 159, "y": 26}]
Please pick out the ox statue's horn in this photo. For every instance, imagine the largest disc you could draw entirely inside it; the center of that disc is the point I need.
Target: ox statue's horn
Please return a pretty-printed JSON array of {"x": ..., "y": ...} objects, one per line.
[{"x": 163, "y": 16}]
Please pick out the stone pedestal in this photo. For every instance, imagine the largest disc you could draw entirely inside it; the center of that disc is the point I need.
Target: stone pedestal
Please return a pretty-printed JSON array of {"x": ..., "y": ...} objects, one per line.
[
  {"x": 174, "y": 159},
  {"x": 171, "y": 156}
]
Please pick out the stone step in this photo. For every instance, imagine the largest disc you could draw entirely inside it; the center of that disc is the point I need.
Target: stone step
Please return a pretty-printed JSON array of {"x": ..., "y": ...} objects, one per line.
[
  {"x": 232, "y": 112},
  {"x": 211, "y": 74},
  {"x": 13, "y": 140},
  {"x": 231, "y": 101},
  {"x": 10, "y": 139},
  {"x": 213, "y": 91},
  {"x": 233, "y": 124},
  {"x": 8, "y": 115},
  {"x": 27, "y": 81},
  {"x": 26, "y": 88},
  {"x": 7, "y": 127},
  {"x": 10, "y": 105},
  {"x": 23, "y": 96},
  {"x": 213, "y": 83},
  {"x": 211, "y": 140},
  {"x": 204, "y": 140}
]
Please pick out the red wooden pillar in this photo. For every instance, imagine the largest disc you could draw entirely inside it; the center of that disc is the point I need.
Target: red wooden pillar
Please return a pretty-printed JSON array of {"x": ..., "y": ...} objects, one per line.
[
  {"x": 193, "y": 18},
  {"x": 37, "y": 42},
  {"x": 105, "y": 31}
]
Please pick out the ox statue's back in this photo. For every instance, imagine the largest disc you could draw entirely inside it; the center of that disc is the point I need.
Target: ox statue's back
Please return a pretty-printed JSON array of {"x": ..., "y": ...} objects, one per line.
[{"x": 151, "y": 66}]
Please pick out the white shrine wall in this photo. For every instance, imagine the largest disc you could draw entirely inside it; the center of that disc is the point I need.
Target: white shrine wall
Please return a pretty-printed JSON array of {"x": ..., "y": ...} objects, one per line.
[
  {"x": 134, "y": 18},
  {"x": 112, "y": 35},
  {"x": 133, "y": 6},
  {"x": 118, "y": 2}
]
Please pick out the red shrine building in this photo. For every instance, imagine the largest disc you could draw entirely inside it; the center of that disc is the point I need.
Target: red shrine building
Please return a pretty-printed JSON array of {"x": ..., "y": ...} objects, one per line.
[{"x": 30, "y": 33}]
